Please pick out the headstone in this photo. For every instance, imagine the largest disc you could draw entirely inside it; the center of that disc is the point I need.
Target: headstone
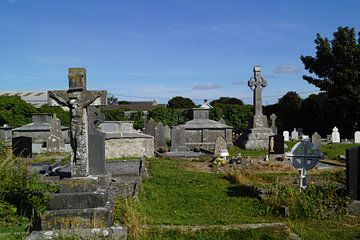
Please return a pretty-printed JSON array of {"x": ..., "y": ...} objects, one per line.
[
  {"x": 167, "y": 133},
  {"x": 295, "y": 135},
  {"x": 22, "y": 147},
  {"x": 276, "y": 144},
  {"x": 353, "y": 172},
  {"x": 178, "y": 139},
  {"x": 159, "y": 138},
  {"x": 55, "y": 142},
  {"x": 150, "y": 127},
  {"x": 6, "y": 134},
  {"x": 286, "y": 136},
  {"x": 335, "y": 135},
  {"x": 96, "y": 142},
  {"x": 273, "y": 118},
  {"x": 316, "y": 139},
  {"x": 220, "y": 145},
  {"x": 77, "y": 99},
  {"x": 357, "y": 137}
]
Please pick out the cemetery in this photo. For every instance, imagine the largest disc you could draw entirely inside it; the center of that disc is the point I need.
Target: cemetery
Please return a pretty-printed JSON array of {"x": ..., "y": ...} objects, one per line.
[{"x": 229, "y": 159}]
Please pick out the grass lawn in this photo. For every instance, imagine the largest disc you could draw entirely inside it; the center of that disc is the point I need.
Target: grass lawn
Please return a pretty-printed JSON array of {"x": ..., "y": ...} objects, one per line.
[{"x": 332, "y": 151}]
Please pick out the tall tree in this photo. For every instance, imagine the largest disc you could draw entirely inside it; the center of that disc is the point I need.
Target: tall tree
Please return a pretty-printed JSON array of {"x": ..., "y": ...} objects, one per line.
[
  {"x": 15, "y": 111},
  {"x": 180, "y": 102},
  {"x": 336, "y": 70}
]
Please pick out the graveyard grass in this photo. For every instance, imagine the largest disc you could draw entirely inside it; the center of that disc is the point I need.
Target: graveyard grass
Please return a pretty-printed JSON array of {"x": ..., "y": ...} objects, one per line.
[{"x": 175, "y": 194}]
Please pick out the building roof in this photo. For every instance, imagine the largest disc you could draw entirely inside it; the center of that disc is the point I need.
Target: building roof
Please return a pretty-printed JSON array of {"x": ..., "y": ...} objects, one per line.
[
  {"x": 36, "y": 98},
  {"x": 36, "y": 127},
  {"x": 204, "y": 123}
]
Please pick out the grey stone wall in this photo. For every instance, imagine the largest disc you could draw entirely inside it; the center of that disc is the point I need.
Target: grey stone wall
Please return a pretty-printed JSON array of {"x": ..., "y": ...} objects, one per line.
[{"x": 129, "y": 147}]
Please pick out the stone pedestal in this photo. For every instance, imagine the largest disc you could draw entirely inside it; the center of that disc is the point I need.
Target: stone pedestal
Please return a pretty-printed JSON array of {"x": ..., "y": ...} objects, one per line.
[{"x": 258, "y": 138}]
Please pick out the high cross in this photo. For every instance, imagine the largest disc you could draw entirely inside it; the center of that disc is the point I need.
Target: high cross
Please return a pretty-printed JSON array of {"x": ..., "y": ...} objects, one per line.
[{"x": 256, "y": 84}]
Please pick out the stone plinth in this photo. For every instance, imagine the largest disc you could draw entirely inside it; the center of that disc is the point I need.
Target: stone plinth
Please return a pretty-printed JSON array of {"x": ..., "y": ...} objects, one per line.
[{"x": 258, "y": 138}]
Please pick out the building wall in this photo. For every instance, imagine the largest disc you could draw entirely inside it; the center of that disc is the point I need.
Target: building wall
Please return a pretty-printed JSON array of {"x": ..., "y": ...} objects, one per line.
[
  {"x": 129, "y": 147},
  {"x": 206, "y": 137}
]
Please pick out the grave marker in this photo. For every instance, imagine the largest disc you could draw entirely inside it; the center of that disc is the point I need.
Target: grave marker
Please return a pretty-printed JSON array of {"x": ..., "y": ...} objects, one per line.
[
  {"x": 286, "y": 136},
  {"x": 335, "y": 135}
]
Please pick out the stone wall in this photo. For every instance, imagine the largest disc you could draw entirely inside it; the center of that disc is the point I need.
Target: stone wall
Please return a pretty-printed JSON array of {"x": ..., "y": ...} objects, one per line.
[{"x": 129, "y": 147}]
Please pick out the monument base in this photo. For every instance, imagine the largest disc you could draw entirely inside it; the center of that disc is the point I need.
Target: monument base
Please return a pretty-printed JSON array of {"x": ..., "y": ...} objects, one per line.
[{"x": 257, "y": 138}]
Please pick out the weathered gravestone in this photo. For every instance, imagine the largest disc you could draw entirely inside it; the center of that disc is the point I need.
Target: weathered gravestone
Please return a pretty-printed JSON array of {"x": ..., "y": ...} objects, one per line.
[
  {"x": 55, "y": 142},
  {"x": 178, "y": 138},
  {"x": 149, "y": 127},
  {"x": 316, "y": 139},
  {"x": 6, "y": 134},
  {"x": 276, "y": 144},
  {"x": 77, "y": 99},
  {"x": 295, "y": 135},
  {"x": 22, "y": 147},
  {"x": 220, "y": 146},
  {"x": 357, "y": 137},
  {"x": 159, "y": 138},
  {"x": 335, "y": 135},
  {"x": 259, "y": 132},
  {"x": 286, "y": 136},
  {"x": 273, "y": 127}
]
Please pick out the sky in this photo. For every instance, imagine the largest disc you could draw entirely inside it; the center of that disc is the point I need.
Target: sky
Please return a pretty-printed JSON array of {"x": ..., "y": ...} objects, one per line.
[{"x": 141, "y": 50}]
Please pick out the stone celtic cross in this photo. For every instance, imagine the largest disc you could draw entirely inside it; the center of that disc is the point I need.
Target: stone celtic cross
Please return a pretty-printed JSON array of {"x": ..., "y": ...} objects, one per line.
[
  {"x": 256, "y": 84},
  {"x": 77, "y": 99}
]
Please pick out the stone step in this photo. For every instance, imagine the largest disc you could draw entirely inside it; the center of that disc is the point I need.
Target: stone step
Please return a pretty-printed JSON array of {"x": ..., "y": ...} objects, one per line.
[
  {"x": 101, "y": 217},
  {"x": 84, "y": 184},
  {"x": 79, "y": 200}
]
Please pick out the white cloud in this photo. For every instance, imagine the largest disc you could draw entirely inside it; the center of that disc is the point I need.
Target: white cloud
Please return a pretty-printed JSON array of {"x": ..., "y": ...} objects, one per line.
[
  {"x": 287, "y": 69},
  {"x": 206, "y": 87}
]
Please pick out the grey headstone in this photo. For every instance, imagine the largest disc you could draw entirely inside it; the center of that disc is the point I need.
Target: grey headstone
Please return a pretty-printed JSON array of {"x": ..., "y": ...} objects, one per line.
[
  {"x": 220, "y": 144},
  {"x": 357, "y": 137},
  {"x": 316, "y": 139},
  {"x": 178, "y": 139},
  {"x": 295, "y": 135},
  {"x": 159, "y": 138},
  {"x": 150, "y": 127},
  {"x": 286, "y": 136},
  {"x": 22, "y": 147},
  {"x": 55, "y": 142},
  {"x": 335, "y": 135},
  {"x": 96, "y": 142}
]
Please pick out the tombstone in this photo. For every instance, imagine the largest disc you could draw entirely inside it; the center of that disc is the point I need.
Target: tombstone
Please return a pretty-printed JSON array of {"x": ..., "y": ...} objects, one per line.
[
  {"x": 55, "y": 142},
  {"x": 78, "y": 99},
  {"x": 286, "y": 136},
  {"x": 316, "y": 139},
  {"x": 353, "y": 172},
  {"x": 273, "y": 118},
  {"x": 220, "y": 145},
  {"x": 150, "y": 127},
  {"x": 167, "y": 133},
  {"x": 295, "y": 135},
  {"x": 6, "y": 134},
  {"x": 276, "y": 144},
  {"x": 159, "y": 138},
  {"x": 357, "y": 137},
  {"x": 178, "y": 138},
  {"x": 335, "y": 135},
  {"x": 22, "y": 147}
]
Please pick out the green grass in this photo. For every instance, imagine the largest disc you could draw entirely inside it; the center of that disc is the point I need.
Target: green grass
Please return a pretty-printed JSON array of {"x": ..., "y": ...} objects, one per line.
[
  {"x": 332, "y": 151},
  {"x": 173, "y": 195}
]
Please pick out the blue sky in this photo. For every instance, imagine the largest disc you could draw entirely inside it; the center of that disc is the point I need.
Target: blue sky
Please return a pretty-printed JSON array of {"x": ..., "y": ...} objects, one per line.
[{"x": 158, "y": 49}]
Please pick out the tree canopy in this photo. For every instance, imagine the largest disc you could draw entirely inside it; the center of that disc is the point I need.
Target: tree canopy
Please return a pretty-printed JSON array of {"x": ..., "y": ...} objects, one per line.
[
  {"x": 181, "y": 102},
  {"x": 336, "y": 70},
  {"x": 226, "y": 100},
  {"x": 15, "y": 111}
]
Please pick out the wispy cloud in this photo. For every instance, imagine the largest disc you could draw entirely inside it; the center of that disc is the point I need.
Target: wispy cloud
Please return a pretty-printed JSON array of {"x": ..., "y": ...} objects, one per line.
[
  {"x": 206, "y": 87},
  {"x": 287, "y": 69}
]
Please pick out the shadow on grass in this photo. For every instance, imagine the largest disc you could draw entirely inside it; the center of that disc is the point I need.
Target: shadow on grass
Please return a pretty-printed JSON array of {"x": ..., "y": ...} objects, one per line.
[{"x": 243, "y": 191}]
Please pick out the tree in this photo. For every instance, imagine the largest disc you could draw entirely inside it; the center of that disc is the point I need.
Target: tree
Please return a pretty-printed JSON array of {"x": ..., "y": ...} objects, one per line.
[
  {"x": 238, "y": 117},
  {"x": 15, "y": 111},
  {"x": 222, "y": 101},
  {"x": 336, "y": 70},
  {"x": 167, "y": 116},
  {"x": 138, "y": 118},
  {"x": 215, "y": 113},
  {"x": 114, "y": 115},
  {"x": 180, "y": 102}
]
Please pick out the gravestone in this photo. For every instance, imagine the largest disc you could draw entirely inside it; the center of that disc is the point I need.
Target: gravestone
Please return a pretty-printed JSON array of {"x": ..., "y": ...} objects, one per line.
[
  {"x": 273, "y": 118},
  {"x": 259, "y": 132},
  {"x": 178, "y": 139},
  {"x": 6, "y": 134},
  {"x": 150, "y": 127},
  {"x": 335, "y": 135},
  {"x": 220, "y": 145},
  {"x": 167, "y": 133},
  {"x": 316, "y": 139},
  {"x": 353, "y": 172},
  {"x": 159, "y": 138},
  {"x": 276, "y": 144},
  {"x": 295, "y": 135},
  {"x": 55, "y": 142},
  {"x": 77, "y": 99},
  {"x": 22, "y": 147},
  {"x": 286, "y": 136},
  {"x": 357, "y": 137}
]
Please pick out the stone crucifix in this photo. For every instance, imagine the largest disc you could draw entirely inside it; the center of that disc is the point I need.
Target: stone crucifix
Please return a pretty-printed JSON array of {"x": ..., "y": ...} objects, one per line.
[
  {"x": 256, "y": 84},
  {"x": 77, "y": 99}
]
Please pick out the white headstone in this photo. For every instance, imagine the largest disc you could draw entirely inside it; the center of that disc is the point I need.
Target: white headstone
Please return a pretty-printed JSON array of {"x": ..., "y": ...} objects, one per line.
[
  {"x": 294, "y": 135},
  {"x": 286, "y": 136},
  {"x": 335, "y": 135},
  {"x": 357, "y": 137}
]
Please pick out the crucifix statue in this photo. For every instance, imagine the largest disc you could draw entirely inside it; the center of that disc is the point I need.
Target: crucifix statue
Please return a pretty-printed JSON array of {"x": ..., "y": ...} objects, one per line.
[
  {"x": 77, "y": 99},
  {"x": 256, "y": 84}
]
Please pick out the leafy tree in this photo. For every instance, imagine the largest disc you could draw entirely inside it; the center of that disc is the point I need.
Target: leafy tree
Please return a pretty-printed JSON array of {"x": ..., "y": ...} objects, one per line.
[
  {"x": 336, "y": 70},
  {"x": 15, "y": 111},
  {"x": 216, "y": 113},
  {"x": 167, "y": 116},
  {"x": 180, "y": 102},
  {"x": 238, "y": 117},
  {"x": 223, "y": 101},
  {"x": 60, "y": 113},
  {"x": 138, "y": 118},
  {"x": 114, "y": 115}
]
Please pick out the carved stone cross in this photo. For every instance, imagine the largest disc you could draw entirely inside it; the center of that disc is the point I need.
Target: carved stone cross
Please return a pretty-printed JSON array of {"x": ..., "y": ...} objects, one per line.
[
  {"x": 256, "y": 84},
  {"x": 77, "y": 99},
  {"x": 273, "y": 118}
]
